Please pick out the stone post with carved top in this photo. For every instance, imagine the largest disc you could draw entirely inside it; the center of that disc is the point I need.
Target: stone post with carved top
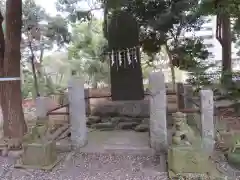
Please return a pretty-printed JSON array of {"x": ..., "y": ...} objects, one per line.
[
  {"x": 77, "y": 112},
  {"x": 41, "y": 109},
  {"x": 158, "y": 108},
  {"x": 207, "y": 120}
]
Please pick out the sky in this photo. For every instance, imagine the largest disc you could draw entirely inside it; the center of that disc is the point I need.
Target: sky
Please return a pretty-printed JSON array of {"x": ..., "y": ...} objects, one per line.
[{"x": 49, "y": 5}]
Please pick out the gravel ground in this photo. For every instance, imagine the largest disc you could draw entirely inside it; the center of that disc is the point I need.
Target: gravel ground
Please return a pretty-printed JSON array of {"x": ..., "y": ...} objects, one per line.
[{"x": 92, "y": 166}]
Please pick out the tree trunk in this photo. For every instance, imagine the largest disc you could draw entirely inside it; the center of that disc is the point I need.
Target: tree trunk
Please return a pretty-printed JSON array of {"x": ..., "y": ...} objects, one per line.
[
  {"x": 14, "y": 124},
  {"x": 40, "y": 72},
  {"x": 35, "y": 76},
  {"x": 34, "y": 68},
  {"x": 2, "y": 45},
  {"x": 105, "y": 20},
  {"x": 171, "y": 67},
  {"x": 2, "y": 48},
  {"x": 172, "y": 71},
  {"x": 226, "y": 50}
]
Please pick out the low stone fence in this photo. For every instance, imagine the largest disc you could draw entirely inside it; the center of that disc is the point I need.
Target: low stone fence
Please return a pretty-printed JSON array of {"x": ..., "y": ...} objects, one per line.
[{"x": 156, "y": 106}]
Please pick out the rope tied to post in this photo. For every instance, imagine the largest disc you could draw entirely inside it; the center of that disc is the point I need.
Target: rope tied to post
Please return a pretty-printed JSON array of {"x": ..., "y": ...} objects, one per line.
[{"x": 10, "y": 79}]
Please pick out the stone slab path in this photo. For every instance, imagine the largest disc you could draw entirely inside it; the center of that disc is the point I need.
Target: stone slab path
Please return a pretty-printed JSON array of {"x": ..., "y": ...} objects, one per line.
[
  {"x": 121, "y": 141},
  {"x": 91, "y": 166}
]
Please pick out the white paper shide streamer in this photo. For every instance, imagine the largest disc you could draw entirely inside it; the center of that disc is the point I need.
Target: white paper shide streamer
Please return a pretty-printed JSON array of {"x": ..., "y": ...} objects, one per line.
[
  {"x": 123, "y": 57},
  {"x": 135, "y": 55},
  {"x": 112, "y": 58},
  {"x": 10, "y": 79},
  {"x": 119, "y": 58},
  {"x": 129, "y": 57}
]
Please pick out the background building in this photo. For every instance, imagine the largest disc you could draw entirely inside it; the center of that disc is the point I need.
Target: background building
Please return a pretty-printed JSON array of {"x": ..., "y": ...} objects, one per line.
[{"x": 208, "y": 33}]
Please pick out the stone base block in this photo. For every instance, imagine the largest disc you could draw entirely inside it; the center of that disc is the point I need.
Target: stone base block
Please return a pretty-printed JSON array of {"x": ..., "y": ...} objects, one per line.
[
  {"x": 188, "y": 161},
  {"x": 42, "y": 120},
  {"x": 19, "y": 164},
  {"x": 39, "y": 154}
]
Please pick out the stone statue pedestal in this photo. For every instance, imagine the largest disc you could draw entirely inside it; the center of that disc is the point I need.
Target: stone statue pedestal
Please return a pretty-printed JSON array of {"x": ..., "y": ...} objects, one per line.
[
  {"x": 185, "y": 159},
  {"x": 38, "y": 151},
  {"x": 191, "y": 163},
  {"x": 39, "y": 154}
]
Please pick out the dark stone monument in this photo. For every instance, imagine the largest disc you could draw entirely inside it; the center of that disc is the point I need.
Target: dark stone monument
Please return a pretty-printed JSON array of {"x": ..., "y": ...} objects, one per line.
[{"x": 126, "y": 71}]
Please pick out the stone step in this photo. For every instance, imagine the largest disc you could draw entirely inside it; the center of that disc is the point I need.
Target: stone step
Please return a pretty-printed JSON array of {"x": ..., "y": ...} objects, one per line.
[
  {"x": 126, "y": 149},
  {"x": 172, "y": 101}
]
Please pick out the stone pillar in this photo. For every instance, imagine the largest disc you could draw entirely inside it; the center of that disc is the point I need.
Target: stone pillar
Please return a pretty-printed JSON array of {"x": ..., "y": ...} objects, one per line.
[
  {"x": 77, "y": 112},
  {"x": 180, "y": 96},
  {"x": 158, "y": 108},
  {"x": 207, "y": 120},
  {"x": 1, "y": 123},
  {"x": 41, "y": 108},
  {"x": 188, "y": 104},
  {"x": 87, "y": 101}
]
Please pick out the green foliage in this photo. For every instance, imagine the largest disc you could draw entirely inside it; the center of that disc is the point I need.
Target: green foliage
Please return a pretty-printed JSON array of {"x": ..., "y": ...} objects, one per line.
[
  {"x": 46, "y": 85},
  {"x": 74, "y": 11},
  {"x": 231, "y": 90},
  {"x": 2, "y": 7},
  {"x": 199, "y": 78},
  {"x": 52, "y": 29},
  {"x": 86, "y": 51},
  {"x": 28, "y": 85},
  {"x": 163, "y": 23},
  {"x": 236, "y": 34},
  {"x": 32, "y": 14},
  {"x": 189, "y": 54},
  {"x": 212, "y": 7},
  {"x": 57, "y": 30},
  {"x": 230, "y": 7},
  {"x": 123, "y": 31}
]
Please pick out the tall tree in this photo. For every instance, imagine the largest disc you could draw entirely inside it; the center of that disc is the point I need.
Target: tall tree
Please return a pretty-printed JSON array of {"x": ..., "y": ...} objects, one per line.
[
  {"x": 37, "y": 37},
  {"x": 41, "y": 36},
  {"x": 14, "y": 124},
  {"x": 2, "y": 49}
]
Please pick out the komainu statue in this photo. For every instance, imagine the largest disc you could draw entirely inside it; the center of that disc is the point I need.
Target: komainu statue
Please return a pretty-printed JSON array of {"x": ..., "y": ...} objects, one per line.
[
  {"x": 183, "y": 133},
  {"x": 185, "y": 156}
]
